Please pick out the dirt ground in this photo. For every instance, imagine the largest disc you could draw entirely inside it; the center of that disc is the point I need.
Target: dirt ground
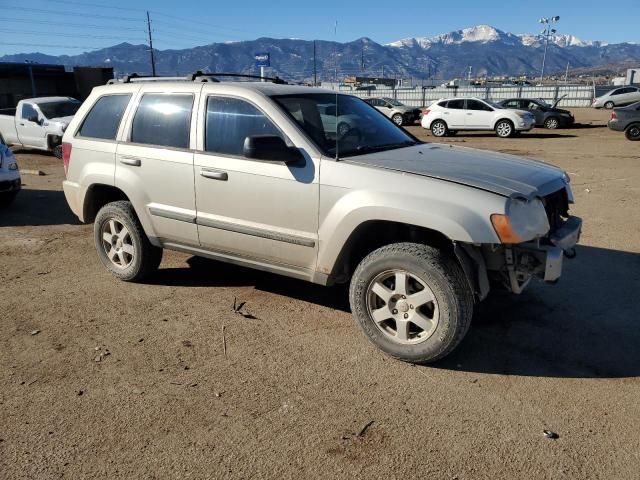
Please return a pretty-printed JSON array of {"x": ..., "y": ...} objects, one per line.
[{"x": 301, "y": 393}]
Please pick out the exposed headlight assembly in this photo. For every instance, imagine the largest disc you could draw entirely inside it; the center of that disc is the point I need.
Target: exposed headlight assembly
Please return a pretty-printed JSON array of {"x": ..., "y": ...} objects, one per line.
[{"x": 525, "y": 219}]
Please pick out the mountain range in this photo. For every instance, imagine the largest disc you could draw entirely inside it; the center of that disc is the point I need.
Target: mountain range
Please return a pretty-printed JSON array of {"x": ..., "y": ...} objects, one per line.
[{"x": 486, "y": 49}]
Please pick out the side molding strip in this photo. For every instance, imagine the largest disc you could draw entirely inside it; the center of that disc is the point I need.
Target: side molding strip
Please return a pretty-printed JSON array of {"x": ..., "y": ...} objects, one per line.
[
  {"x": 182, "y": 217},
  {"x": 257, "y": 232}
]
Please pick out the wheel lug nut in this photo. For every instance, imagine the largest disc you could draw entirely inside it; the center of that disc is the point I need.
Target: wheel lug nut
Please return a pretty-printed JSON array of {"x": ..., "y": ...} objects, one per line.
[
  {"x": 395, "y": 312},
  {"x": 406, "y": 315},
  {"x": 403, "y": 296},
  {"x": 411, "y": 306}
]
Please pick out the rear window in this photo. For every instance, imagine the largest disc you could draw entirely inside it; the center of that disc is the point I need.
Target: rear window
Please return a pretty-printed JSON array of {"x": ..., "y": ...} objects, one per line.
[
  {"x": 104, "y": 118},
  {"x": 163, "y": 120}
]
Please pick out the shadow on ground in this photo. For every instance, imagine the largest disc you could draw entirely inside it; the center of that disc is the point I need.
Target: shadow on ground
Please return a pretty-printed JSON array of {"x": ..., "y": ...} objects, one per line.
[
  {"x": 586, "y": 326},
  {"x": 37, "y": 207}
]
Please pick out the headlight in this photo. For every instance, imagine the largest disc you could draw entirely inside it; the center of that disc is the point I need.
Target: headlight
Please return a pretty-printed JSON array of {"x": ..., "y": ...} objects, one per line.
[{"x": 525, "y": 220}]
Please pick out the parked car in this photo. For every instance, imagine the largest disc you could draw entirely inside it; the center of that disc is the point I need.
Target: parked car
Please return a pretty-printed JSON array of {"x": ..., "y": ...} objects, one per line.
[
  {"x": 10, "y": 182},
  {"x": 449, "y": 116},
  {"x": 247, "y": 173},
  {"x": 337, "y": 125},
  {"x": 627, "y": 120},
  {"x": 617, "y": 97},
  {"x": 400, "y": 113},
  {"x": 547, "y": 116},
  {"x": 38, "y": 123}
]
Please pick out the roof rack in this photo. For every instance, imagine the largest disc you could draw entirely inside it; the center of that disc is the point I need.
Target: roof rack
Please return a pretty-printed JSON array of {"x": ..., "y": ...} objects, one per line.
[{"x": 193, "y": 77}]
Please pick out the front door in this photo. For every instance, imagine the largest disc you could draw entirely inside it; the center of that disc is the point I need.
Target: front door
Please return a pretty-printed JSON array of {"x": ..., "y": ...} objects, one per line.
[
  {"x": 260, "y": 211},
  {"x": 454, "y": 114},
  {"x": 478, "y": 115},
  {"x": 155, "y": 165},
  {"x": 30, "y": 133}
]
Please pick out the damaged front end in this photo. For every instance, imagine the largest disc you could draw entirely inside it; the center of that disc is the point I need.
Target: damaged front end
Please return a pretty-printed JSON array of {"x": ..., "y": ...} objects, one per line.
[{"x": 513, "y": 264}]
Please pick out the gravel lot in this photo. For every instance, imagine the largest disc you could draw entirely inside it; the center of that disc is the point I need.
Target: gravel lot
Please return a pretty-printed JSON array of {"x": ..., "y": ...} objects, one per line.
[{"x": 301, "y": 393}]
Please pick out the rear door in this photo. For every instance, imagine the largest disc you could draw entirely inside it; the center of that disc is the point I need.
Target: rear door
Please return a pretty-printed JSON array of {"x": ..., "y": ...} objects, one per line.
[
  {"x": 154, "y": 162},
  {"x": 536, "y": 109},
  {"x": 478, "y": 115},
  {"x": 30, "y": 133},
  {"x": 454, "y": 113}
]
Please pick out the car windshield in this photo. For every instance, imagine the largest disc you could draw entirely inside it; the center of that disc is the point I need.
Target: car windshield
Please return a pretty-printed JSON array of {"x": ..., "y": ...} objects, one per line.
[
  {"x": 64, "y": 108},
  {"x": 347, "y": 128},
  {"x": 494, "y": 104},
  {"x": 393, "y": 102}
]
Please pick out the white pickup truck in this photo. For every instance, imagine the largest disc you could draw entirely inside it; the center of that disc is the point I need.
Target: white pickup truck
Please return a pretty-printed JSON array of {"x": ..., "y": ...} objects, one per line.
[{"x": 38, "y": 123}]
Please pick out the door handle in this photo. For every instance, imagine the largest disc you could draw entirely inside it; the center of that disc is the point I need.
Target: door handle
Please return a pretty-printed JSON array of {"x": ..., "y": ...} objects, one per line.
[
  {"x": 132, "y": 161},
  {"x": 22, "y": 124},
  {"x": 215, "y": 175}
]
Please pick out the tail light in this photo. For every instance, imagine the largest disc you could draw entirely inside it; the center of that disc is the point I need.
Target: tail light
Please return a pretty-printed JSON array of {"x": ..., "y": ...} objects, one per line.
[
  {"x": 66, "y": 156},
  {"x": 614, "y": 116},
  {"x": 425, "y": 112}
]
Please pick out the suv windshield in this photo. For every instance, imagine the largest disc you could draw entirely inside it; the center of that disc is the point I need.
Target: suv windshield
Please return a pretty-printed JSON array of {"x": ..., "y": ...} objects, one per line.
[
  {"x": 393, "y": 102},
  {"x": 65, "y": 108},
  {"x": 346, "y": 128}
]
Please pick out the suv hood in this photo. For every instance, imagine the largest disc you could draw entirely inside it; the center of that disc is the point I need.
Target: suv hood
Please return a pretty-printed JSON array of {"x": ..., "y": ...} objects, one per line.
[{"x": 499, "y": 173}]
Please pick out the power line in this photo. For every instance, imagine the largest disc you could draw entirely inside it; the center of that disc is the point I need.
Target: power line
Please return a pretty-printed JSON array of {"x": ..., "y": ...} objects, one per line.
[
  {"x": 75, "y": 14},
  {"x": 85, "y": 4},
  {"x": 66, "y": 24},
  {"x": 47, "y": 45},
  {"x": 72, "y": 35}
]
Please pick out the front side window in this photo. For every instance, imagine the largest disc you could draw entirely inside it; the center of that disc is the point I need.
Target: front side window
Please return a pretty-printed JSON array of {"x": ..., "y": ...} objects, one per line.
[
  {"x": 230, "y": 121},
  {"x": 163, "y": 120},
  {"x": 343, "y": 125},
  {"x": 28, "y": 112},
  {"x": 476, "y": 105},
  {"x": 104, "y": 118}
]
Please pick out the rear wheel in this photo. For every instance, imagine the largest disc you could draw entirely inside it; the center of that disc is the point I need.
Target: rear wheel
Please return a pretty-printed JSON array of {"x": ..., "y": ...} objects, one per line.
[
  {"x": 412, "y": 301},
  {"x": 397, "y": 119},
  {"x": 633, "y": 132},
  {"x": 504, "y": 128},
  {"x": 439, "y": 128},
  {"x": 122, "y": 245},
  {"x": 57, "y": 151},
  {"x": 609, "y": 105},
  {"x": 551, "y": 123}
]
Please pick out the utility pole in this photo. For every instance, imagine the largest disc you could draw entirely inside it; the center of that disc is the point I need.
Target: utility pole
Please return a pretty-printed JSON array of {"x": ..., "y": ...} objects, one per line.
[
  {"x": 362, "y": 66},
  {"x": 153, "y": 61},
  {"x": 315, "y": 71},
  {"x": 469, "y": 75},
  {"x": 566, "y": 74}
]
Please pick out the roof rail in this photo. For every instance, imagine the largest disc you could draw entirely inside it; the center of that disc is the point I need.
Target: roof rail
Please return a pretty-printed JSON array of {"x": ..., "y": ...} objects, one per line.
[{"x": 193, "y": 77}]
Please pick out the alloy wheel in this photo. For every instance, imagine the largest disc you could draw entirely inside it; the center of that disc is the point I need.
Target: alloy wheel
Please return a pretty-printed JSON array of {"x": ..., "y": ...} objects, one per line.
[
  {"x": 504, "y": 129},
  {"x": 117, "y": 243},
  {"x": 402, "y": 306}
]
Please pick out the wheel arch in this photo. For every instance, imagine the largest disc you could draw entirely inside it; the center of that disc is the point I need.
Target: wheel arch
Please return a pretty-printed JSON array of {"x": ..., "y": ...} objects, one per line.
[{"x": 97, "y": 196}]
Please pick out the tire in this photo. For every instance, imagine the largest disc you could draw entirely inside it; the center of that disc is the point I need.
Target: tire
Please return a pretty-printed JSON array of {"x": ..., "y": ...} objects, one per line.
[
  {"x": 609, "y": 105},
  {"x": 134, "y": 258},
  {"x": 504, "y": 128},
  {"x": 448, "y": 309},
  {"x": 57, "y": 151},
  {"x": 439, "y": 128},
  {"x": 632, "y": 132},
  {"x": 552, "y": 123},
  {"x": 398, "y": 119}
]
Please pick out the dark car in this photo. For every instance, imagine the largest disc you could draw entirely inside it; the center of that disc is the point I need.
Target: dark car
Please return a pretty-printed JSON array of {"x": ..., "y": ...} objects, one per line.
[
  {"x": 547, "y": 116},
  {"x": 627, "y": 120}
]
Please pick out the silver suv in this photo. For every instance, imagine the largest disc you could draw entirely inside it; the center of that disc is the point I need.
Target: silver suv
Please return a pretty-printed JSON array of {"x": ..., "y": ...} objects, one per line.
[{"x": 251, "y": 174}]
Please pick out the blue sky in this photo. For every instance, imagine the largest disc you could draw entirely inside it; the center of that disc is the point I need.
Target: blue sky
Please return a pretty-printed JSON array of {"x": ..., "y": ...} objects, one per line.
[{"x": 73, "y": 26}]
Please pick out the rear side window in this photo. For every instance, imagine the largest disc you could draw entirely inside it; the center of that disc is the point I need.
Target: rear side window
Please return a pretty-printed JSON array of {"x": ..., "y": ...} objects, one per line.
[
  {"x": 230, "y": 121},
  {"x": 163, "y": 120},
  {"x": 104, "y": 118}
]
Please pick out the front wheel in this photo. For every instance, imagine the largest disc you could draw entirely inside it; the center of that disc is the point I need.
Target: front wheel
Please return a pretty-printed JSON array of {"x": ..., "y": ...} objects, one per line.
[
  {"x": 633, "y": 132},
  {"x": 609, "y": 105},
  {"x": 412, "y": 301},
  {"x": 504, "y": 128},
  {"x": 397, "y": 119},
  {"x": 439, "y": 128},
  {"x": 122, "y": 245}
]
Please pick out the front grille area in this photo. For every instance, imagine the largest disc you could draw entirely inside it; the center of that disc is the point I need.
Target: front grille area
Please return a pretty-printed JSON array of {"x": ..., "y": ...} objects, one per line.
[{"x": 556, "y": 205}]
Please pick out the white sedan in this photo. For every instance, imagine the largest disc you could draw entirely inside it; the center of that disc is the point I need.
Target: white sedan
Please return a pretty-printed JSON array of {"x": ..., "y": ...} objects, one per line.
[{"x": 448, "y": 116}]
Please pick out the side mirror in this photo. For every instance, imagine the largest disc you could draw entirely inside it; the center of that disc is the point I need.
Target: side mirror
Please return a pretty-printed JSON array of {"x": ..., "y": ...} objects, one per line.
[{"x": 271, "y": 148}]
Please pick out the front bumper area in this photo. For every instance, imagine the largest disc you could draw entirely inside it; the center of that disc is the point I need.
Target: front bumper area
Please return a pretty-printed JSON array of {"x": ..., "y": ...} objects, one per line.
[{"x": 7, "y": 186}]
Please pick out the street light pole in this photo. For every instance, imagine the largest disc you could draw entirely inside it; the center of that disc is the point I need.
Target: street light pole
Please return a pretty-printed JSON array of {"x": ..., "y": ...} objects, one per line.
[{"x": 546, "y": 33}]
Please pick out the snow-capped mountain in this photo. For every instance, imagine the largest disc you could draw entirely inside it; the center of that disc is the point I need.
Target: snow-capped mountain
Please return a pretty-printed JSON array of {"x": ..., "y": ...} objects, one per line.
[{"x": 486, "y": 49}]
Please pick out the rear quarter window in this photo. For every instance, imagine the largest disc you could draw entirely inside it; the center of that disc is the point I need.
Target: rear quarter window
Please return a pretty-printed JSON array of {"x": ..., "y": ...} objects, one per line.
[{"x": 105, "y": 116}]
